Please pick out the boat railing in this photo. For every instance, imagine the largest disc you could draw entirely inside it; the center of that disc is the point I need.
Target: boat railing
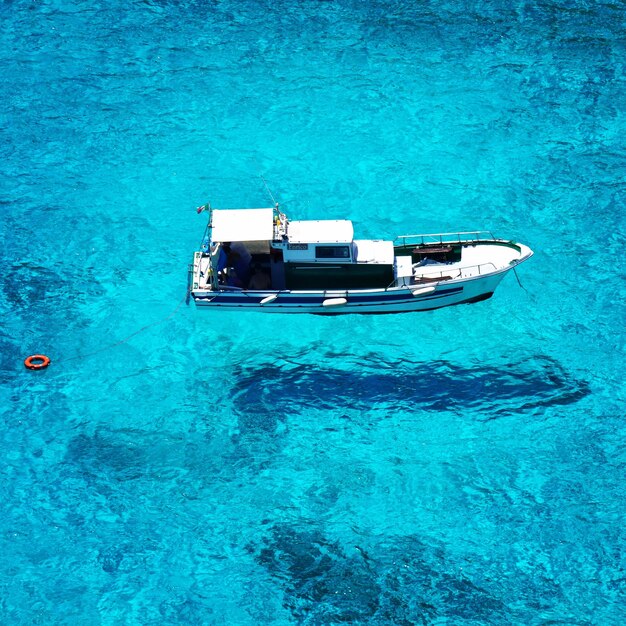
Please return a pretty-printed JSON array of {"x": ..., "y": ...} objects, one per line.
[
  {"x": 446, "y": 238},
  {"x": 454, "y": 272}
]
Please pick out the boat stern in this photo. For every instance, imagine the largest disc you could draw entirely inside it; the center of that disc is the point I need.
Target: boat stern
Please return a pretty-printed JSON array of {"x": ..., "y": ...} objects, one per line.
[{"x": 200, "y": 273}]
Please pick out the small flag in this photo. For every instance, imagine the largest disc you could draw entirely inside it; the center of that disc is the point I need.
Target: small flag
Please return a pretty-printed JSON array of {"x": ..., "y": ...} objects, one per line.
[{"x": 201, "y": 208}]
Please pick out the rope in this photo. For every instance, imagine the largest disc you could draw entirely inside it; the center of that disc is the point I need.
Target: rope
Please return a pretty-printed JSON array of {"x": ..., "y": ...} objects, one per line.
[
  {"x": 125, "y": 339},
  {"x": 518, "y": 280},
  {"x": 268, "y": 190}
]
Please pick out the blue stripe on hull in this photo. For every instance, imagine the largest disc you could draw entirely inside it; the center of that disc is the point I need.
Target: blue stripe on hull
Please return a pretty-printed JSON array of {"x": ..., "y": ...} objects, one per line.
[{"x": 222, "y": 299}]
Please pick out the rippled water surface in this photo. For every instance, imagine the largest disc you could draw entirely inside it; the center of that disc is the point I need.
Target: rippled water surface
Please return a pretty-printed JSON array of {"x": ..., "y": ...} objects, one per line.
[{"x": 461, "y": 466}]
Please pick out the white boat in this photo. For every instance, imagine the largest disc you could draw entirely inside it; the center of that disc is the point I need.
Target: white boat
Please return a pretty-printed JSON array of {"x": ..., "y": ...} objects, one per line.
[{"x": 259, "y": 260}]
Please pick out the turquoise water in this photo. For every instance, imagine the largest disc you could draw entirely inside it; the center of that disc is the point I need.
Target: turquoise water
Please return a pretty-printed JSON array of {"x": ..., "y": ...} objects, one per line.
[{"x": 461, "y": 466}]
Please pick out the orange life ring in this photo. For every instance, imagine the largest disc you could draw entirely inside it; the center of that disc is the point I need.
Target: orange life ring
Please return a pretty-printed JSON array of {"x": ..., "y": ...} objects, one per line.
[{"x": 31, "y": 362}]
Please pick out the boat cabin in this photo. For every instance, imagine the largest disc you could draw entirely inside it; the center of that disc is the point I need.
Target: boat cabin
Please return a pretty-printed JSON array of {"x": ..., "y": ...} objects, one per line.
[{"x": 261, "y": 249}]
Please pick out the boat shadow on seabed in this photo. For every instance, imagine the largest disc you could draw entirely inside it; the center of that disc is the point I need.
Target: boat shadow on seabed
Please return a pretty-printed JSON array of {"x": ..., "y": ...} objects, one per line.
[{"x": 263, "y": 392}]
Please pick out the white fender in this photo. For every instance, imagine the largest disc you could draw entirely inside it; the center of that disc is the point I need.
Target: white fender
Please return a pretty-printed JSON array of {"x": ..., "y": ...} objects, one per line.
[
  {"x": 334, "y": 302},
  {"x": 269, "y": 299},
  {"x": 422, "y": 291}
]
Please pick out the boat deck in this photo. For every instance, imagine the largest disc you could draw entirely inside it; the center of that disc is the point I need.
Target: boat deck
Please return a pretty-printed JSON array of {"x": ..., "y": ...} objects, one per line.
[
  {"x": 476, "y": 260},
  {"x": 470, "y": 261}
]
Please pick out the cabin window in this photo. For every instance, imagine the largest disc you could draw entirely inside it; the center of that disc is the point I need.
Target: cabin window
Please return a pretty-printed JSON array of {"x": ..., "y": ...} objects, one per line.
[{"x": 332, "y": 252}]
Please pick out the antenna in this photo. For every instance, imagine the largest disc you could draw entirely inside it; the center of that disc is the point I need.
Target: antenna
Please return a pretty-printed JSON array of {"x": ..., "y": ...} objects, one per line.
[{"x": 268, "y": 190}]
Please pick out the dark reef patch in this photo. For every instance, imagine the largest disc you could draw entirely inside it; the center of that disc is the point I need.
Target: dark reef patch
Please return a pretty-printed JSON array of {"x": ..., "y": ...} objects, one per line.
[{"x": 402, "y": 582}]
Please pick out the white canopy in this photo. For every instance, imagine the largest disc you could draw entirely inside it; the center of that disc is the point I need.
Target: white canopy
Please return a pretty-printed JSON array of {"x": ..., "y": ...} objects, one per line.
[
  {"x": 373, "y": 251},
  {"x": 242, "y": 225}
]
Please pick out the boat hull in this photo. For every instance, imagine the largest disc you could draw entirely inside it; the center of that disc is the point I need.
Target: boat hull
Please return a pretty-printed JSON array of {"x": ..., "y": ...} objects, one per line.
[{"x": 335, "y": 302}]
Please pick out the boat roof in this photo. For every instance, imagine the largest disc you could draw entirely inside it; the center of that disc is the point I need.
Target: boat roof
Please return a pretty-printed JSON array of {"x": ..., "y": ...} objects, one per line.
[
  {"x": 320, "y": 231},
  {"x": 242, "y": 225},
  {"x": 376, "y": 251}
]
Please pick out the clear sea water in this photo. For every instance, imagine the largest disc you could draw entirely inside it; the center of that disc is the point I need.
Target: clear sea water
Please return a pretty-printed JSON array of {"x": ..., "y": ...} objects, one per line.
[{"x": 461, "y": 466}]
